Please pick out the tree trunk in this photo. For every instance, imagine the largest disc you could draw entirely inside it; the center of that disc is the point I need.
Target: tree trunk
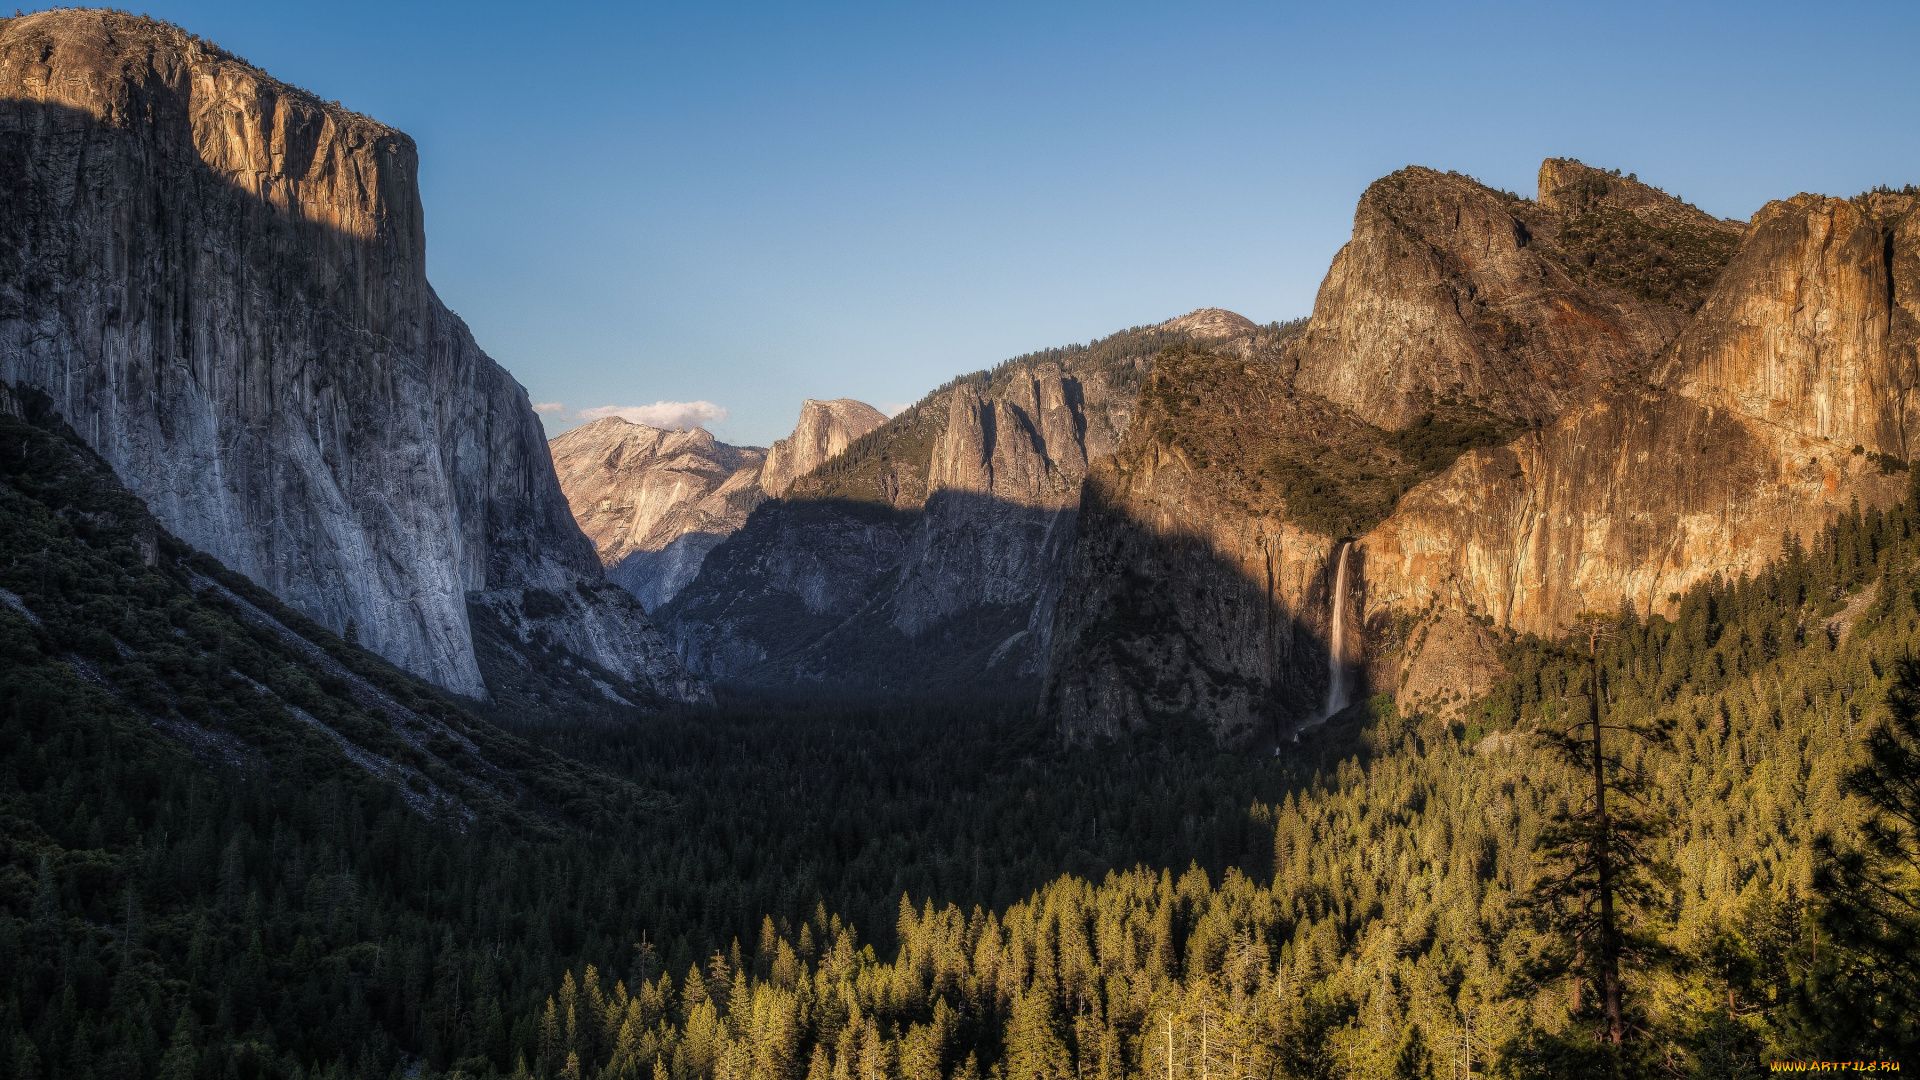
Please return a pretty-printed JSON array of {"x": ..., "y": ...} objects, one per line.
[{"x": 1603, "y": 838}]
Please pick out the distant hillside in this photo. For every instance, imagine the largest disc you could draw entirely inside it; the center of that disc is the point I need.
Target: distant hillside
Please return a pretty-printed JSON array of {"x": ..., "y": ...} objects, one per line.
[
  {"x": 654, "y": 502},
  {"x": 926, "y": 557}
]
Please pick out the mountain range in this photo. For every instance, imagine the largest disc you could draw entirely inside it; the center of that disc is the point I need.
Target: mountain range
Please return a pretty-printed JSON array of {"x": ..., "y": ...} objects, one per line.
[
  {"x": 1513, "y": 410},
  {"x": 349, "y": 727}
]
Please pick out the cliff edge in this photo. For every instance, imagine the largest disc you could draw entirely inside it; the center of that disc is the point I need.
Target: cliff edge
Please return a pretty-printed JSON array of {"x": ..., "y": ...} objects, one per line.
[{"x": 220, "y": 282}]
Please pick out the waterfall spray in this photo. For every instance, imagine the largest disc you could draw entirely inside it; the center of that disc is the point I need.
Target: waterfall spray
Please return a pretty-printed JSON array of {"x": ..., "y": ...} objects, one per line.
[
  {"x": 1337, "y": 641},
  {"x": 1337, "y": 693}
]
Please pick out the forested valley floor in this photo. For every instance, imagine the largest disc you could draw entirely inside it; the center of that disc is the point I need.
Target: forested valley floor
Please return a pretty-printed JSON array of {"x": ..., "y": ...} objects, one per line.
[{"x": 233, "y": 845}]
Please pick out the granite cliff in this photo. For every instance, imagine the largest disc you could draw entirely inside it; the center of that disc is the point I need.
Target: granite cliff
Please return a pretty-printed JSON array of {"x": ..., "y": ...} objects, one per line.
[
  {"x": 219, "y": 280},
  {"x": 929, "y": 553},
  {"x": 1450, "y": 289},
  {"x": 1786, "y": 398},
  {"x": 1515, "y": 410},
  {"x": 654, "y": 502},
  {"x": 823, "y": 432}
]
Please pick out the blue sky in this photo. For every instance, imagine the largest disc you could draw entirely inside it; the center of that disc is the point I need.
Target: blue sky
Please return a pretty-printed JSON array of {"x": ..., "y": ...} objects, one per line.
[{"x": 750, "y": 204}]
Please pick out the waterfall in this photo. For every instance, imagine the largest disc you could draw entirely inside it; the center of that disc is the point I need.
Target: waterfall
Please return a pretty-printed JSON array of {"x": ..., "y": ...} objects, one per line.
[
  {"x": 1337, "y": 693},
  {"x": 1337, "y": 641}
]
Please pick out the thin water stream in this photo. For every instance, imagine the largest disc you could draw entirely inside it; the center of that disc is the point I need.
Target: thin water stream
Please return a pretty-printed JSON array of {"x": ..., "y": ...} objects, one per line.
[{"x": 1338, "y": 694}]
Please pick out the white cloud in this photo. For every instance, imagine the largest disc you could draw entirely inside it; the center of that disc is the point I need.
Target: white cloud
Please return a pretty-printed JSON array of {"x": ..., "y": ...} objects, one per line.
[
  {"x": 894, "y": 408},
  {"x": 550, "y": 408},
  {"x": 672, "y": 415}
]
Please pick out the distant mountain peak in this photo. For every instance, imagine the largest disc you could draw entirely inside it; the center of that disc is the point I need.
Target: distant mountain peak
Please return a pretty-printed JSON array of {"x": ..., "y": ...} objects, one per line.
[
  {"x": 1212, "y": 322},
  {"x": 825, "y": 428}
]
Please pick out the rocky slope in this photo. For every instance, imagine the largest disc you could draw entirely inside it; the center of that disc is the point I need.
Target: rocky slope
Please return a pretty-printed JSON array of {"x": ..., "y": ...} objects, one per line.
[
  {"x": 929, "y": 554},
  {"x": 1452, "y": 290},
  {"x": 1521, "y": 409},
  {"x": 654, "y": 502},
  {"x": 1787, "y": 397},
  {"x": 220, "y": 282}
]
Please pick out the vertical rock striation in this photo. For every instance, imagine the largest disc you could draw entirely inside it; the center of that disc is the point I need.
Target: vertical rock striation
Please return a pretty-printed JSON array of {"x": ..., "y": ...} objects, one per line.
[
  {"x": 1671, "y": 395},
  {"x": 927, "y": 557},
  {"x": 220, "y": 281}
]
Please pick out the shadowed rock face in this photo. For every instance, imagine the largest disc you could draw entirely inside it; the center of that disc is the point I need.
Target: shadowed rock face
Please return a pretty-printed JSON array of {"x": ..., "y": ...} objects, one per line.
[
  {"x": 220, "y": 281},
  {"x": 1690, "y": 391},
  {"x": 1190, "y": 593},
  {"x": 928, "y": 556}
]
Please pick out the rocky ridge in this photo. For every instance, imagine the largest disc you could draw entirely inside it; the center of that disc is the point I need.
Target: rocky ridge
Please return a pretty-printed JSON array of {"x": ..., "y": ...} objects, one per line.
[
  {"x": 1453, "y": 290},
  {"x": 1668, "y": 396},
  {"x": 823, "y": 432},
  {"x": 219, "y": 280},
  {"x": 930, "y": 552},
  {"x": 654, "y": 502},
  {"x": 1786, "y": 398}
]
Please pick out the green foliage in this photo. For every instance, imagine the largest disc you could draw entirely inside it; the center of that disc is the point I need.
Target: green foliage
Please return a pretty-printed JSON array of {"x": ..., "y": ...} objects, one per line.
[
  {"x": 1886, "y": 463},
  {"x": 1865, "y": 995},
  {"x": 1338, "y": 493},
  {"x": 196, "y": 879},
  {"x": 1398, "y": 869},
  {"x": 1602, "y": 884},
  {"x": 1264, "y": 449}
]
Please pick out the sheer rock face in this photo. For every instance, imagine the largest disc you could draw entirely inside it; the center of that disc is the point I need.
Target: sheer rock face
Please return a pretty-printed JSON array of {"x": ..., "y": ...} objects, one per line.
[
  {"x": 220, "y": 281},
  {"x": 1025, "y": 444},
  {"x": 654, "y": 502},
  {"x": 1634, "y": 497},
  {"x": 1452, "y": 290},
  {"x": 824, "y": 431},
  {"x": 1814, "y": 326},
  {"x": 928, "y": 557},
  {"x": 1770, "y": 415},
  {"x": 1692, "y": 390}
]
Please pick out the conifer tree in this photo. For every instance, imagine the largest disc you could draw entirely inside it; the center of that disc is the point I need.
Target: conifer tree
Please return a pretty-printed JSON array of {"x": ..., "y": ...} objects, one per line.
[
  {"x": 179, "y": 1062},
  {"x": 1864, "y": 990},
  {"x": 1415, "y": 1060},
  {"x": 1600, "y": 863}
]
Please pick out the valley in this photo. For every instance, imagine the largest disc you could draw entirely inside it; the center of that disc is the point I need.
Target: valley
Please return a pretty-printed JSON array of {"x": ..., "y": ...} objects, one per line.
[{"x": 1212, "y": 697}]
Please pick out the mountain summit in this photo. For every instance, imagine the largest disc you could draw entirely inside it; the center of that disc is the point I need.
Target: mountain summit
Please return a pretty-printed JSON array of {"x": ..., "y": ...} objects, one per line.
[
  {"x": 1211, "y": 324},
  {"x": 1502, "y": 413},
  {"x": 220, "y": 281},
  {"x": 654, "y": 502}
]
